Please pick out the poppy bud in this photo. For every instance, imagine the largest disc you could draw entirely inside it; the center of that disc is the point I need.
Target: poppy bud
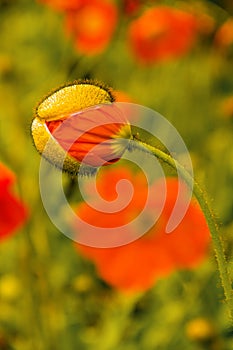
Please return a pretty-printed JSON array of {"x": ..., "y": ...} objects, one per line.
[{"x": 78, "y": 124}]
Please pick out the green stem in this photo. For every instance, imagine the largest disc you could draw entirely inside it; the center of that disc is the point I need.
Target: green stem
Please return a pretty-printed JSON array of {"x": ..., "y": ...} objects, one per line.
[{"x": 213, "y": 227}]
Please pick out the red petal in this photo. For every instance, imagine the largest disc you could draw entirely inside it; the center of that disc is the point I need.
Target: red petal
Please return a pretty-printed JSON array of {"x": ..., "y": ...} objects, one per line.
[{"x": 13, "y": 214}]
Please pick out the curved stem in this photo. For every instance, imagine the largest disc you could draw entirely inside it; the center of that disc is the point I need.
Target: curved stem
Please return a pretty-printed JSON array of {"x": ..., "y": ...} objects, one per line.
[{"x": 213, "y": 227}]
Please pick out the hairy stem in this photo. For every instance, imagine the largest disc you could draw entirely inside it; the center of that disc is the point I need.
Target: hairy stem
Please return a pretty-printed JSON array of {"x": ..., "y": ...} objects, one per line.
[{"x": 213, "y": 227}]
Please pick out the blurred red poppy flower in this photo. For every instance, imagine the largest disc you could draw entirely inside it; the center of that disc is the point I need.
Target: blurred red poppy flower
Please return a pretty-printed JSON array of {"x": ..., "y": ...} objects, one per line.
[
  {"x": 137, "y": 265},
  {"x": 226, "y": 107},
  {"x": 121, "y": 96},
  {"x": 162, "y": 33},
  {"x": 13, "y": 212},
  {"x": 92, "y": 25},
  {"x": 224, "y": 35}
]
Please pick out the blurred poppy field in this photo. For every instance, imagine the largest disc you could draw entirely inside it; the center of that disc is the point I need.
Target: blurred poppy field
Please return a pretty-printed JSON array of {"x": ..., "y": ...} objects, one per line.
[{"x": 160, "y": 291}]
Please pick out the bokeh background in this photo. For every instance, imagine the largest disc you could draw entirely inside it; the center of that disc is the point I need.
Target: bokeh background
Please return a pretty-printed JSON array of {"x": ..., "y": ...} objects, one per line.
[{"x": 51, "y": 297}]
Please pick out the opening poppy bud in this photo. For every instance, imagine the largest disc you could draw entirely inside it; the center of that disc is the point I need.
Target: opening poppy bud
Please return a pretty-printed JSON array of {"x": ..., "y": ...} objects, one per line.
[{"x": 80, "y": 124}]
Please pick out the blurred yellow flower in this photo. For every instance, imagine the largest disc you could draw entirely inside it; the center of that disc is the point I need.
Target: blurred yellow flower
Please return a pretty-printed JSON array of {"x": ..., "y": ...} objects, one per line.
[
  {"x": 200, "y": 329},
  {"x": 10, "y": 287}
]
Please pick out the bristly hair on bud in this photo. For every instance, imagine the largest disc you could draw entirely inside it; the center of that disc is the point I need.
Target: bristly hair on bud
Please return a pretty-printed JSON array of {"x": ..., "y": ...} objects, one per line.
[{"x": 85, "y": 93}]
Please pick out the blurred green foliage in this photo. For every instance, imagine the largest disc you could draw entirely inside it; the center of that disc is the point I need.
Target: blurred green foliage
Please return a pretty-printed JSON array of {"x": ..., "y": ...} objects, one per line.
[{"x": 51, "y": 298}]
